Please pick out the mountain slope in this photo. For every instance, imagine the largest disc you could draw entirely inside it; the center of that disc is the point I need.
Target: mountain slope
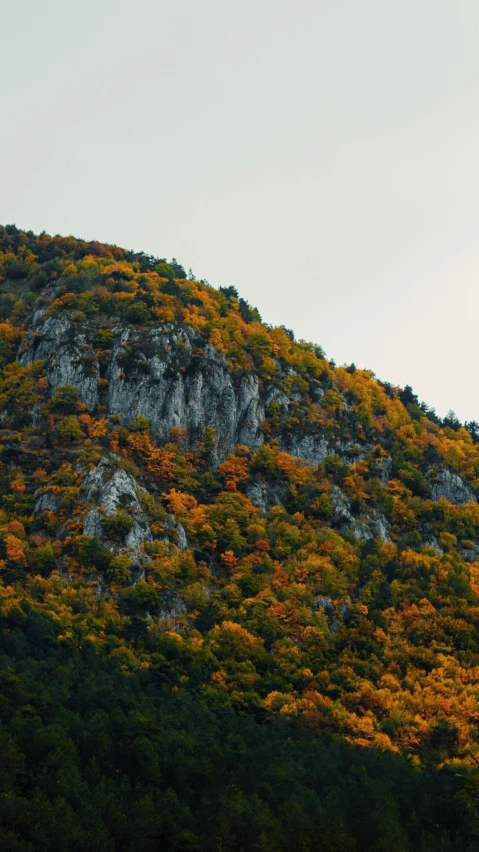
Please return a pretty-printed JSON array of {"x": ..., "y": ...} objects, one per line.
[{"x": 208, "y": 504}]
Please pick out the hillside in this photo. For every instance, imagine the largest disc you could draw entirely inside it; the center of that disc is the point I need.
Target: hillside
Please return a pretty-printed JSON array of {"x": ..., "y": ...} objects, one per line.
[{"x": 220, "y": 551}]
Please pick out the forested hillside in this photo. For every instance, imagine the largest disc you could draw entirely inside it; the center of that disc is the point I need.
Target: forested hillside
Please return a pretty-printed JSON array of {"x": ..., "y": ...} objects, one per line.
[{"x": 239, "y": 584}]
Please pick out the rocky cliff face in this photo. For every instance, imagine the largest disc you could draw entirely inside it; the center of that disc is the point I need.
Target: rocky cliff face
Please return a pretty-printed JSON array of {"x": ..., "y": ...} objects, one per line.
[
  {"x": 450, "y": 486},
  {"x": 170, "y": 376},
  {"x": 111, "y": 490},
  {"x": 164, "y": 374}
]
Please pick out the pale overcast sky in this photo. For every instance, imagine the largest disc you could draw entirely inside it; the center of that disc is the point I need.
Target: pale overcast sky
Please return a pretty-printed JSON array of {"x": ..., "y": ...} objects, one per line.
[{"x": 320, "y": 155}]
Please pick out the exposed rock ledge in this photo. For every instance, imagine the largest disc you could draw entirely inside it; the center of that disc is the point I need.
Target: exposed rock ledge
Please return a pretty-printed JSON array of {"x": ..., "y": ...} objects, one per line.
[
  {"x": 112, "y": 490},
  {"x": 154, "y": 374},
  {"x": 450, "y": 486}
]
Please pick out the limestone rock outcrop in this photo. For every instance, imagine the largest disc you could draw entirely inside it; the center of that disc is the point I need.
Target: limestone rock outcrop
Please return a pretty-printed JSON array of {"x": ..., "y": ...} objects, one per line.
[
  {"x": 162, "y": 374},
  {"x": 450, "y": 486},
  {"x": 110, "y": 490}
]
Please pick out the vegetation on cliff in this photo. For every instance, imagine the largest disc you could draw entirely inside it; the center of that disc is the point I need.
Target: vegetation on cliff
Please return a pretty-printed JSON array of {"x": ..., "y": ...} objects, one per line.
[{"x": 246, "y": 620}]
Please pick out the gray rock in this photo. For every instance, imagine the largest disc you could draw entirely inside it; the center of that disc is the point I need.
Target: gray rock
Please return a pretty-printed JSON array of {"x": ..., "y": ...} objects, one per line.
[
  {"x": 157, "y": 376},
  {"x": 433, "y": 543},
  {"x": 450, "y": 486},
  {"x": 172, "y": 397},
  {"x": 263, "y": 495},
  {"x": 343, "y": 607},
  {"x": 274, "y": 394},
  {"x": 182, "y": 540},
  {"x": 377, "y": 524},
  {"x": 327, "y": 605},
  {"x": 47, "y": 502},
  {"x": 68, "y": 357},
  {"x": 470, "y": 554},
  {"x": 92, "y": 524},
  {"x": 340, "y": 506},
  {"x": 172, "y": 524},
  {"x": 322, "y": 602},
  {"x": 318, "y": 394},
  {"x": 113, "y": 489},
  {"x": 371, "y": 524},
  {"x": 334, "y": 613},
  {"x": 172, "y": 607},
  {"x": 313, "y": 449},
  {"x": 384, "y": 469},
  {"x": 362, "y": 531}
]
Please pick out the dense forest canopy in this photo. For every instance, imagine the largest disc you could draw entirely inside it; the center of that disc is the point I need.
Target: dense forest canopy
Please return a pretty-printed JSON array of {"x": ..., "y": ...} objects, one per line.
[{"x": 239, "y": 584}]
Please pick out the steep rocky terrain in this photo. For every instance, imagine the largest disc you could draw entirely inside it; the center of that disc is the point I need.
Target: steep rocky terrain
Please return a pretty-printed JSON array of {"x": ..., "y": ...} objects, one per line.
[{"x": 213, "y": 506}]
